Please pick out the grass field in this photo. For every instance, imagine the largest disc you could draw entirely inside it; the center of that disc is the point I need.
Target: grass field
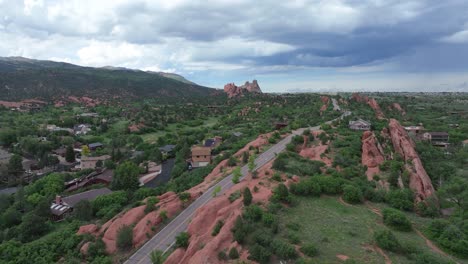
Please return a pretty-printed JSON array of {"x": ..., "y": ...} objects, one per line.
[{"x": 337, "y": 228}]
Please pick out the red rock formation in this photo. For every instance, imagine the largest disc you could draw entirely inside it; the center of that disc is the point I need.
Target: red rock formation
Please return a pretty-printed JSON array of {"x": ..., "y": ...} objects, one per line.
[
  {"x": 398, "y": 107},
  {"x": 203, "y": 247},
  {"x": 420, "y": 182},
  {"x": 372, "y": 156},
  {"x": 315, "y": 152},
  {"x": 143, "y": 222},
  {"x": 326, "y": 102},
  {"x": 371, "y": 102},
  {"x": 232, "y": 90}
]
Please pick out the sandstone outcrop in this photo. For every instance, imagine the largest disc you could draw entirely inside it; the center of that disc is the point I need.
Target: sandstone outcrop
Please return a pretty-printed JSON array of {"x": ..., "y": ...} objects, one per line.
[
  {"x": 372, "y": 155},
  {"x": 371, "y": 102},
  {"x": 232, "y": 90},
  {"x": 315, "y": 152},
  {"x": 420, "y": 182},
  {"x": 398, "y": 107},
  {"x": 326, "y": 102}
]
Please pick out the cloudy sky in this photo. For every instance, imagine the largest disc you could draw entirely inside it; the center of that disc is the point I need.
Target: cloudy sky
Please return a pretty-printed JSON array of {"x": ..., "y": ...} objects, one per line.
[{"x": 328, "y": 45}]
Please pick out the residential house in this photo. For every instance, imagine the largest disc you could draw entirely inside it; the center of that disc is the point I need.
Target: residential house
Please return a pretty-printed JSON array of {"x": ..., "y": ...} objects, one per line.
[
  {"x": 201, "y": 156},
  {"x": 95, "y": 146},
  {"x": 359, "y": 125},
  {"x": 54, "y": 128},
  {"x": 237, "y": 134},
  {"x": 62, "y": 207},
  {"x": 90, "y": 162},
  {"x": 465, "y": 143},
  {"x": 437, "y": 138},
  {"x": 81, "y": 129},
  {"x": 213, "y": 142},
  {"x": 414, "y": 130},
  {"x": 96, "y": 177},
  {"x": 280, "y": 125},
  {"x": 167, "y": 149}
]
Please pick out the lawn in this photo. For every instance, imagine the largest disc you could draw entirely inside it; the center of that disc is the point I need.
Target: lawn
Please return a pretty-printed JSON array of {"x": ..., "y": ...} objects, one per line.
[{"x": 341, "y": 229}]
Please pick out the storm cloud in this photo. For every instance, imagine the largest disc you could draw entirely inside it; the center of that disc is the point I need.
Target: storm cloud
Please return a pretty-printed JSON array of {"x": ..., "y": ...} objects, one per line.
[{"x": 347, "y": 45}]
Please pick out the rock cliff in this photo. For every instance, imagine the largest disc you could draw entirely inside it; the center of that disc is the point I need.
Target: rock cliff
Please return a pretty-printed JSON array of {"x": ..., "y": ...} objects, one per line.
[
  {"x": 371, "y": 102},
  {"x": 233, "y": 91},
  {"x": 372, "y": 156},
  {"x": 420, "y": 182}
]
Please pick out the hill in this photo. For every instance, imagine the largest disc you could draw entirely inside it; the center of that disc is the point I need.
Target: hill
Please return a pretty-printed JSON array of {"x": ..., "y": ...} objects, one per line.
[{"x": 22, "y": 78}]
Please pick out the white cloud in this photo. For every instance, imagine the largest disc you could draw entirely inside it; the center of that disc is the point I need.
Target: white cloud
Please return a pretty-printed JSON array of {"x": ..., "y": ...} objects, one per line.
[
  {"x": 458, "y": 37},
  {"x": 30, "y": 4}
]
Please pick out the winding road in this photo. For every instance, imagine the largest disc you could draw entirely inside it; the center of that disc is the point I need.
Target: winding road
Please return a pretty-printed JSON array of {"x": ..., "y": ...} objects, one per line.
[{"x": 165, "y": 238}]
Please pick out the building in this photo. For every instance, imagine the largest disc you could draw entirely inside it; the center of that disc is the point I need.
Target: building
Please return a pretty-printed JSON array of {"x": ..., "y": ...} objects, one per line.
[
  {"x": 280, "y": 125},
  {"x": 91, "y": 162},
  {"x": 213, "y": 142},
  {"x": 96, "y": 177},
  {"x": 201, "y": 156},
  {"x": 62, "y": 151},
  {"x": 465, "y": 143},
  {"x": 62, "y": 207},
  {"x": 94, "y": 146},
  {"x": 237, "y": 134},
  {"x": 81, "y": 129},
  {"x": 436, "y": 138},
  {"x": 415, "y": 130},
  {"x": 359, "y": 125}
]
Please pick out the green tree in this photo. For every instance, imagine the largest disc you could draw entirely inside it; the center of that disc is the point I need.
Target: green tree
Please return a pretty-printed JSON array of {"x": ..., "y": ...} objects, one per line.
[
  {"x": 70, "y": 154},
  {"x": 126, "y": 177},
  {"x": 233, "y": 253},
  {"x": 396, "y": 219},
  {"x": 15, "y": 165},
  {"x": 85, "y": 151},
  {"x": 456, "y": 191},
  {"x": 245, "y": 156},
  {"x": 83, "y": 210},
  {"x": 125, "y": 238},
  {"x": 32, "y": 226},
  {"x": 247, "y": 196},
  {"x": 236, "y": 174},
  {"x": 251, "y": 164},
  {"x": 216, "y": 190}
]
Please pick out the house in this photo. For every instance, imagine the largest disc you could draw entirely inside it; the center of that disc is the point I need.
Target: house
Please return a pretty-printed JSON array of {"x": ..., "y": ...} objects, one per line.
[
  {"x": 81, "y": 129},
  {"x": 237, "y": 134},
  {"x": 62, "y": 207},
  {"x": 359, "y": 125},
  {"x": 437, "y": 138},
  {"x": 96, "y": 177},
  {"x": 167, "y": 149},
  {"x": 91, "y": 162},
  {"x": 95, "y": 146},
  {"x": 415, "y": 130},
  {"x": 280, "y": 125},
  {"x": 54, "y": 128},
  {"x": 213, "y": 142},
  {"x": 201, "y": 156},
  {"x": 62, "y": 151}
]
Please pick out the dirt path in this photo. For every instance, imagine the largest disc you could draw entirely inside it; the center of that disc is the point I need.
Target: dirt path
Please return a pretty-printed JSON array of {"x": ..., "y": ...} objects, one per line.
[
  {"x": 433, "y": 247},
  {"x": 381, "y": 252},
  {"x": 373, "y": 209},
  {"x": 343, "y": 202}
]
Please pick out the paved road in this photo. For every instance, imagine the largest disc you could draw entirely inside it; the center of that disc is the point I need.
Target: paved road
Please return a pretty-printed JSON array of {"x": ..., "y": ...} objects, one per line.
[
  {"x": 165, "y": 238},
  {"x": 336, "y": 107}
]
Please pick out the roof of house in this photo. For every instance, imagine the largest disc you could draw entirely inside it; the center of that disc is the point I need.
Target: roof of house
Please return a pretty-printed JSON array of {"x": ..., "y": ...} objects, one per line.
[
  {"x": 465, "y": 141},
  {"x": 167, "y": 148},
  {"x": 72, "y": 200},
  {"x": 443, "y": 134},
  {"x": 210, "y": 142},
  {"x": 201, "y": 151},
  {"x": 103, "y": 157},
  {"x": 360, "y": 121},
  {"x": 237, "y": 134},
  {"x": 95, "y": 145}
]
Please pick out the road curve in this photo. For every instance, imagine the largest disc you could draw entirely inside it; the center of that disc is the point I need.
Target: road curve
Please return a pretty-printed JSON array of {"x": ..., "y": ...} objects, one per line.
[{"x": 165, "y": 238}]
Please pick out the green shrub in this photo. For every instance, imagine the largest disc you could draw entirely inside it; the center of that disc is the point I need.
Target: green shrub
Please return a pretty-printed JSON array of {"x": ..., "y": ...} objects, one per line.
[
  {"x": 182, "y": 240},
  {"x": 400, "y": 199},
  {"x": 253, "y": 212},
  {"x": 217, "y": 227},
  {"x": 125, "y": 238},
  {"x": 352, "y": 194},
  {"x": 259, "y": 254},
  {"x": 233, "y": 253},
  {"x": 247, "y": 196},
  {"x": 309, "y": 250},
  {"x": 396, "y": 219},
  {"x": 387, "y": 240},
  {"x": 306, "y": 187},
  {"x": 222, "y": 255},
  {"x": 283, "y": 249},
  {"x": 234, "y": 196}
]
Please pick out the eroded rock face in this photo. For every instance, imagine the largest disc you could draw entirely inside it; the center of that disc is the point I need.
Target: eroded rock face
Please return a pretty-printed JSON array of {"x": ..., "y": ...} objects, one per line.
[
  {"x": 420, "y": 182},
  {"x": 398, "y": 107},
  {"x": 326, "y": 102},
  {"x": 232, "y": 90},
  {"x": 372, "y": 156},
  {"x": 371, "y": 102}
]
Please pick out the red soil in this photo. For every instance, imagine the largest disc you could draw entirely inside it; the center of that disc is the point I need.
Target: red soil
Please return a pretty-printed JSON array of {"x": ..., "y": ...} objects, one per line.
[
  {"x": 420, "y": 182},
  {"x": 314, "y": 152},
  {"x": 372, "y": 156}
]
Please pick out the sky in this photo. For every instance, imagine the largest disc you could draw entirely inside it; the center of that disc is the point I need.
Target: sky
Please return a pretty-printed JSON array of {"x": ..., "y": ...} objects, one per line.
[{"x": 288, "y": 46}]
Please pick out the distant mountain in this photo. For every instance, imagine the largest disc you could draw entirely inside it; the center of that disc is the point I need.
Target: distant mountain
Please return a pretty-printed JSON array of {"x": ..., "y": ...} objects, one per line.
[{"x": 22, "y": 78}]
